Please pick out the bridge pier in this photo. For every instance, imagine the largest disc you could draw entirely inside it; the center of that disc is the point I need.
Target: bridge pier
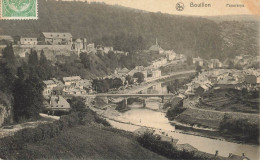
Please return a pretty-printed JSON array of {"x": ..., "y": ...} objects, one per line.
[
  {"x": 162, "y": 99},
  {"x": 126, "y": 105},
  {"x": 144, "y": 102}
]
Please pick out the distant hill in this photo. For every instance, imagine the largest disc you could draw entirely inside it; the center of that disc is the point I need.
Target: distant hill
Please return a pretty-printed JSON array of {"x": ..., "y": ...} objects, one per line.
[
  {"x": 195, "y": 36},
  {"x": 242, "y": 18}
]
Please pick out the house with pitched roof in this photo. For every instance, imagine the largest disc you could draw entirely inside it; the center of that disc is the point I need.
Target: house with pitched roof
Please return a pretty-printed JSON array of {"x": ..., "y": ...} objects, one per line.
[
  {"x": 28, "y": 41},
  {"x": 48, "y": 86},
  {"x": 121, "y": 72},
  {"x": 57, "y": 103},
  {"x": 156, "y": 49},
  {"x": 199, "y": 61},
  {"x": 71, "y": 80},
  {"x": 55, "y": 38},
  {"x": 6, "y": 39}
]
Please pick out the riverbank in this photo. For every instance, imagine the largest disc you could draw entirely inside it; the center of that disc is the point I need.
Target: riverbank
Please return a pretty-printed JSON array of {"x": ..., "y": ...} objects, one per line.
[
  {"x": 136, "y": 118},
  {"x": 79, "y": 135}
]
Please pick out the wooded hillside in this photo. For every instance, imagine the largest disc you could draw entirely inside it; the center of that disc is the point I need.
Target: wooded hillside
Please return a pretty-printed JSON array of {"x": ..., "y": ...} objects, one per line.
[{"x": 188, "y": 35}]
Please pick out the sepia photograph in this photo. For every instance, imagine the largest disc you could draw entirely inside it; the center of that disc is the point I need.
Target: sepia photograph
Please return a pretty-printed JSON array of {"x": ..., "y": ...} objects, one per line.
[{"x": 129, "y": 80}]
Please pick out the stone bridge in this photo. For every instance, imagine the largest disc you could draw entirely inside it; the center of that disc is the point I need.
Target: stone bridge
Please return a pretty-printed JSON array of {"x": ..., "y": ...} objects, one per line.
[{"x": 126, "y": 96}]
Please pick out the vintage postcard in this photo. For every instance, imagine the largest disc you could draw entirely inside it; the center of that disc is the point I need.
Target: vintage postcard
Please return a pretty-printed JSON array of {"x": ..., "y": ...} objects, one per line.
[{"x": 129, "y": 79}]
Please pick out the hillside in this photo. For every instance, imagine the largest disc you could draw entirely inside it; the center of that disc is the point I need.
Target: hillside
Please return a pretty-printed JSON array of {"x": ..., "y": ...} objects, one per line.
[
  {"x": 188, "y": 35},
  {"x": 85, "y": 142}
]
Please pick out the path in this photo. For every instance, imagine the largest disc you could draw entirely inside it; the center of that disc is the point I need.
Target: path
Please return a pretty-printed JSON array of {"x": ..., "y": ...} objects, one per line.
[{"x": 12, "y": 129}]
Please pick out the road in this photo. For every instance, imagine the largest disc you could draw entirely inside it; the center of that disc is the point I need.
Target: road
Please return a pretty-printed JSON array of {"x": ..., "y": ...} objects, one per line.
[
  {"x": 129, "y": 95},
  {"x": 152, "y": 82}
]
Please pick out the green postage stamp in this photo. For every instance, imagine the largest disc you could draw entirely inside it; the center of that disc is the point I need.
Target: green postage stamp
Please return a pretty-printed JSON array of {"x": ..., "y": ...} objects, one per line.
[{"x": 19, "y": 9}]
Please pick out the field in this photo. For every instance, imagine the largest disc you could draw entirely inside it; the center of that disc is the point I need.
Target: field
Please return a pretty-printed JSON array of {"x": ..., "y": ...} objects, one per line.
[{"x": 85, "y": 142}]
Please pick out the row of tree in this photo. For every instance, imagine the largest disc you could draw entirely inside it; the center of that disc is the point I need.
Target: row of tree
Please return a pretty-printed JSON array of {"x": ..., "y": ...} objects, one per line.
[
  {"x": 23, "y": 82},
  {"x": 242, "y": 126},
  {"x": 123, "y": 42},
  {"x": 104, "y": 85}
]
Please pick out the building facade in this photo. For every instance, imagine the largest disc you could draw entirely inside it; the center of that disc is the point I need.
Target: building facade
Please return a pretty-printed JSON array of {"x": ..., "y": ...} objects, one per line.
[
  {"x": 55, "y": 38},
  {"x": 28, "y": 41}
]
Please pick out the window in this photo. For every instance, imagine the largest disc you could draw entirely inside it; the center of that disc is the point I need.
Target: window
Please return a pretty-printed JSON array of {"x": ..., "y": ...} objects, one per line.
[
  {"x": 31, "y": 39},
  {"x": 25, "y": 39},
  {"x": 58, "y": 35}
]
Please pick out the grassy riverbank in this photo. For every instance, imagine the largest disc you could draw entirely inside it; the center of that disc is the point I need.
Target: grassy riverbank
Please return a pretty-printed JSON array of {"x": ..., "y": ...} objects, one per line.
[
  {"x": 70, "y": 138},
  {"x": 85, "y": 142}
]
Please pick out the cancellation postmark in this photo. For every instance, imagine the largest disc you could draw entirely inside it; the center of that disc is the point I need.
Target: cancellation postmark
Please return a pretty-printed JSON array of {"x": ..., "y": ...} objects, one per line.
[{"x": 19, "y": 9}]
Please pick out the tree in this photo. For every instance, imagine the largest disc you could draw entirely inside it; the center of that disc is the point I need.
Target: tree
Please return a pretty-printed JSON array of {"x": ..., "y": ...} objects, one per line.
[
  {"x": 244, "y": 91},
  {"x": 230, "y": 65},
  {"x": 139, "y": 76},
  {"x": 28, "y": 98},
  {"x": 189, "y": 60},
  {"x": 33, "y": 59},
  {"x": 9, "y": 58},
  {"x": 198, "y": 69},
  {"x": 20, "y": 73},
  {"x": 6, "y": 77},
  {"x": 85, "y": 60},
  {"x": 77, "y": 104},
  {"x": 43, "y": 59},
  {"x": 45, "y": 68},
  {"x": 129, "y": 79}
]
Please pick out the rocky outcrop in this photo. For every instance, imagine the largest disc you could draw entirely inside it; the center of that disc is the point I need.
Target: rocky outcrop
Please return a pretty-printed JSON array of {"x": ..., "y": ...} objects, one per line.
[
  {"x": 5, "y": 109},
  {"x": 5, "y": 114}
]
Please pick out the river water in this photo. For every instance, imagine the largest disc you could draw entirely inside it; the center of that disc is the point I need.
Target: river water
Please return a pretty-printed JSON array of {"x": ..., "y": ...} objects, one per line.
[{"x": 152, "y": 117}]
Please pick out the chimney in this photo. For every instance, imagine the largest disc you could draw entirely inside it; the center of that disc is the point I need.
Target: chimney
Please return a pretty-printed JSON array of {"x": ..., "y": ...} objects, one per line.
[
  {"x": 216, "y": 154},
  {"x": 58, "y": 99}
]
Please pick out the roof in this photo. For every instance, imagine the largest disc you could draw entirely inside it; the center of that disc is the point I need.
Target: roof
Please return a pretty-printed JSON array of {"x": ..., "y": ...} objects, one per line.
[
  {"x": 57, "y": 88},
  {"x": 56, "y": 35},
  {"x": 28, "y": 38},
  {"x": 72, "y": 78},
  {"x": 123, "y": 70},
  {"x": 48, "y": 82},
  {"x": 6, "y": 37},
  {"x": 197, "y": 59},
  {"x": 58, "y": 102},
  {"x": 155, "y": 48},
  {"x": 78, "y": 40}
]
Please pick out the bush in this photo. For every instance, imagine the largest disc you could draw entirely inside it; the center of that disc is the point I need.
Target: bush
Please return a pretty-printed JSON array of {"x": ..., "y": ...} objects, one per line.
[
  {"x": 41, "y": 132},
  {"x": 154, "y": 143},
  {"x": 240, "y": 126},
  {"x": 101, "y": 121}
]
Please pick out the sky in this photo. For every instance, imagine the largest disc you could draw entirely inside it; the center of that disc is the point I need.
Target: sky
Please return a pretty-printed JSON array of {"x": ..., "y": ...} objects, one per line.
[{"x": 218, "y": 7}]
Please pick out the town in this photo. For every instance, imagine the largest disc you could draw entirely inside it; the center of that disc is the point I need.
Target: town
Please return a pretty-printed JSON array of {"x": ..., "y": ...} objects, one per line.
[{"x": 195, "y": 87}]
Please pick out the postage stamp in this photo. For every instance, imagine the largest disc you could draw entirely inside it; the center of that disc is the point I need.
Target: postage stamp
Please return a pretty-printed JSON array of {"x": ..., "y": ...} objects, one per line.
[{"x": 18, "y": 9}]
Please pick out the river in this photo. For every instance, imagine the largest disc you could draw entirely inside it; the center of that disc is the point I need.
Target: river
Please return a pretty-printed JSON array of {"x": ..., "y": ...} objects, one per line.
[{"x": 152, "y": 117}]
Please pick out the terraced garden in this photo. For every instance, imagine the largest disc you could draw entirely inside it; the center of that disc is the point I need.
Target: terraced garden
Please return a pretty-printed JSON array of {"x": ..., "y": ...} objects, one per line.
[
  {"x": 229, "y": 100},
  {"x": 208, "y": 119}
]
